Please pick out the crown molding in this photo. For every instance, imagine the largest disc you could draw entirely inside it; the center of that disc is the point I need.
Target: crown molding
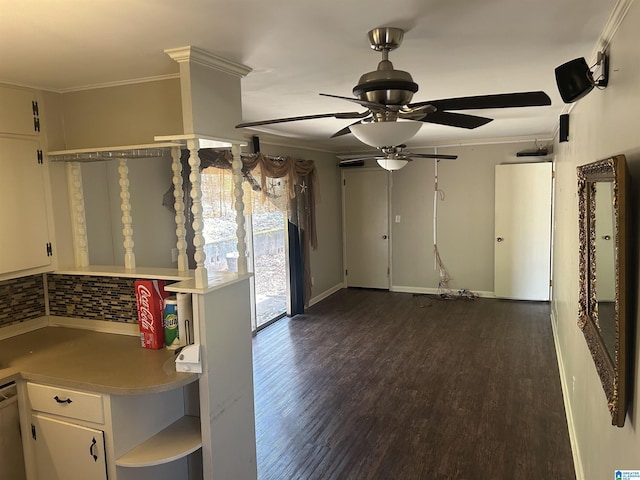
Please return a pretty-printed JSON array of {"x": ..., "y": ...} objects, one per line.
[
  {"x": 614, "y": 21},
  {"x": 202, "y": 57}
]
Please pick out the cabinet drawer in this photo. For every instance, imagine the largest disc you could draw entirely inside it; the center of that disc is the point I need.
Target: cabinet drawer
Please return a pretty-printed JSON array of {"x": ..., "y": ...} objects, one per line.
[{"x": 65, "y": 402}]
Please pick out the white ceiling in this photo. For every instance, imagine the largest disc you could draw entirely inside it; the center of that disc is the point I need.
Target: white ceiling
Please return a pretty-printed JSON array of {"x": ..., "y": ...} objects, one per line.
[{"x": 299, "y": 48}]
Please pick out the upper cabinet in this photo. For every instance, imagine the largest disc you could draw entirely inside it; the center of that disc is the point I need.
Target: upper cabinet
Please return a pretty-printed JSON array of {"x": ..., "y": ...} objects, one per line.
[
  {"x": 19, "y": 111},
  {"x": 24, "y": 186},
  {"x": 25, "y": 231}
]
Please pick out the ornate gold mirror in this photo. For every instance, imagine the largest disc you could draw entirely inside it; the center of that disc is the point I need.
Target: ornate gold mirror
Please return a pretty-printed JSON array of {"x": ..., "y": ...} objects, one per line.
[{"x": 603, "y": 304}]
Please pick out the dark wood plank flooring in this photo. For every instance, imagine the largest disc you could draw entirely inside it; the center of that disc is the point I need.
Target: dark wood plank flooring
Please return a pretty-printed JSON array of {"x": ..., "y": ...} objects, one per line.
[{"x": 380, "y": 385}]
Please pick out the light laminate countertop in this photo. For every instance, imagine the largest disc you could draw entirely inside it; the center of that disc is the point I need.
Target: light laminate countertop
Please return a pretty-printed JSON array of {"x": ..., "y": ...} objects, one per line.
[{"x": 88, "y": 360}]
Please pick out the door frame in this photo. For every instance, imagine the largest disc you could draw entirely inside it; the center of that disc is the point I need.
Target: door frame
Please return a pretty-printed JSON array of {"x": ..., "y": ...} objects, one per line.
[
  {"x": 344, "y": 223},
  {"x": 251, "y": 266}
]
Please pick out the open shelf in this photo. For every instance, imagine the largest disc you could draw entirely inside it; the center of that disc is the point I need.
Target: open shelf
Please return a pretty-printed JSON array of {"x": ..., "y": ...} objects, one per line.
[
  {"x": 152, "y": 273},
  {"x": 99, "y": 154},
  {"x": 176, "y": 441}
]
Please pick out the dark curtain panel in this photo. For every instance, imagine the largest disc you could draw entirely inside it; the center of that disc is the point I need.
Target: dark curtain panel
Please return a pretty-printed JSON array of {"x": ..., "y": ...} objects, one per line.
[{"x": 296, "y": 269}]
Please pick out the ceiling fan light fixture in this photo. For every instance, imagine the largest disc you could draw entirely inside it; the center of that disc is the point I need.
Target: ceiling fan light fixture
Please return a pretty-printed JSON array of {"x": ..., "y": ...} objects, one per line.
[
  {"x": 392, "y": 164},
  {"x": 385, "y": 134}
]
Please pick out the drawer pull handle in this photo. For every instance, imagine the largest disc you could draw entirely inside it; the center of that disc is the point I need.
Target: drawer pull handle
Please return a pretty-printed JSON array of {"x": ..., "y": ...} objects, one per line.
[
  {"x": 60, "y": 400},
  {"x": 91, "y": 447}
]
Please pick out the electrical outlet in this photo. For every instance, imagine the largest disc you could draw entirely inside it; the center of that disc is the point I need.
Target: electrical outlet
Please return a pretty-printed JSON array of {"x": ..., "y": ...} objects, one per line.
[
  {"x": 573, "y": 385},
  {"x": 313, "y": 281},
  {"x": 174, "y": 255}
]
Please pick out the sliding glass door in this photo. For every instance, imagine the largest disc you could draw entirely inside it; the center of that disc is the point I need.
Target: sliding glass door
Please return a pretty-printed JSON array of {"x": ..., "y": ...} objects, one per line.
[
  {"x": 269, "y": 266},
  {"x": 266, "y": 243}
]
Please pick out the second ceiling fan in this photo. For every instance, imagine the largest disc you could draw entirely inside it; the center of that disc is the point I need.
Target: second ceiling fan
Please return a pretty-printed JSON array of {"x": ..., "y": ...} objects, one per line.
[
  {"x": 391, "y": 158},
  {"x": 386, "y": 94}
]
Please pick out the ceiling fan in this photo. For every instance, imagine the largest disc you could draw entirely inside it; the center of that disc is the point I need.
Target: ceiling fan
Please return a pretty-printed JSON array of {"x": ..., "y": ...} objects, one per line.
[
  {"x": 386, "y": 94},
  {"x": 392, "y": 158}
]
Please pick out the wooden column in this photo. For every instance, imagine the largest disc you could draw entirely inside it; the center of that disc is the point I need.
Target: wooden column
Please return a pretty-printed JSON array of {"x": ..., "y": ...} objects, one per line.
[
  {"x": 239, "y": 206},
  {"x": 127, "y": 220},
  {"x": 201, "y": 277},
  {"x": 178, "y": 193},
  {"x": 78, "y": 217}
]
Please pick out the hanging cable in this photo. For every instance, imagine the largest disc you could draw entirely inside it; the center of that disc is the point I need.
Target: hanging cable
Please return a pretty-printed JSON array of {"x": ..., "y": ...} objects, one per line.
[
  {"x": 443, "y": 290},
  {"x": 443, "y": 275}
]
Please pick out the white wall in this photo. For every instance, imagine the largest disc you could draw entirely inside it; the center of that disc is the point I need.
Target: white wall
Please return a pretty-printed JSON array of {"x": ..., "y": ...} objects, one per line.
[
  {"x": 465, "y": 217},
  {"x": 602, "y": 124},
  {"x": 153, "y": 224},
  {"x": 123, "y": 115}
]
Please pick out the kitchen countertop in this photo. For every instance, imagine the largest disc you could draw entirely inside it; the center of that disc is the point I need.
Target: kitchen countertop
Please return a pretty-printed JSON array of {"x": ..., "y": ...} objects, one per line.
[{"x": 88, "y": 360}]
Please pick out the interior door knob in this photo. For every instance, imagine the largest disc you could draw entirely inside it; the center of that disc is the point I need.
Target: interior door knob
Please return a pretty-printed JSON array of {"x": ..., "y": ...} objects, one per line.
[
  {"x": 499, "y": 239},
  {"x": 384, "y": 237}
]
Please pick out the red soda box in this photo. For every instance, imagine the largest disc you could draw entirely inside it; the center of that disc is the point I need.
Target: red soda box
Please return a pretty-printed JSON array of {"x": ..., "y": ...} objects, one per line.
[{"x": 150, "y": 297}]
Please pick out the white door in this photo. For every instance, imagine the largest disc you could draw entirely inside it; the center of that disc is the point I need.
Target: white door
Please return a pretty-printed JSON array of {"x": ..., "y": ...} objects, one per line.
[
  {"x": 66, "y": 451},
  {"x": 366, "y": 227},
  {"x": 523, "y": 231}
]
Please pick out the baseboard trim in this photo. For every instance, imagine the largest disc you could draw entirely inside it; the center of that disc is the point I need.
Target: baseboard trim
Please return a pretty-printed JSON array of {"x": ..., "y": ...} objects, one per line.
[
  {"x": 577, "y": 460},
  {"x": 326, "y": 293},
  {"x": 434, "y": 291},
  {"x": 119, "y": 328}
]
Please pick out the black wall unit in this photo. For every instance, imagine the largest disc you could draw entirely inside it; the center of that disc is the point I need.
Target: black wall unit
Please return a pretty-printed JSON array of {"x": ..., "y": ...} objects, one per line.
[{"x": 564, "y": 128}]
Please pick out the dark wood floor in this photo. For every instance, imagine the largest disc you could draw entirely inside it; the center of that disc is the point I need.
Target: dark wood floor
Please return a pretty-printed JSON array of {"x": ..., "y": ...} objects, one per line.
[{"x": 380, "y": 385}]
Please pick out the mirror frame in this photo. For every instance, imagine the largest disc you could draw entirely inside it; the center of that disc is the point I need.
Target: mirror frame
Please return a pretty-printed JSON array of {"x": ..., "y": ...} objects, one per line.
[{"x": 612, "y": 367}]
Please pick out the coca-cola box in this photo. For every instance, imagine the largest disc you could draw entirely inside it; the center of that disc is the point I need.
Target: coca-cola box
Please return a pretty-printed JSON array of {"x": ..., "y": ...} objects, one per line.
[{"x": 150, "y": 297}]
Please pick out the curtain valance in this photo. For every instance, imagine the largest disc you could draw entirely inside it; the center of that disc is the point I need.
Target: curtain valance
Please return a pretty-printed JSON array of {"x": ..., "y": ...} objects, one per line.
[{"x": 296, "y": 192}]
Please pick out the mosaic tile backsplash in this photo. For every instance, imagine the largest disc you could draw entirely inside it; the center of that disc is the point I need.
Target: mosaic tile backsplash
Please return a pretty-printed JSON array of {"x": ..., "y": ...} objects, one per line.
[
  {"x": 21, "y": 299},
  {"x": 92, "y": 297}
]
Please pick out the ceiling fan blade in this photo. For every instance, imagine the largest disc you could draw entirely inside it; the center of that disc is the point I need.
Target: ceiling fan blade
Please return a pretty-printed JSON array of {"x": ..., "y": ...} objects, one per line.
[
  {"x": 342, "y": 131},
  {"x": 417, "y": 115},
  {"x": 304, "y": 117},
  {"x": 364, "y": 103},
  {"x": 357, "y": 157},
  {"x": 456, "y": 119},
  {"x": 432, "y": 155},
  {"x": 503, "y": 100},
  {"x": 355, "y": 160}
]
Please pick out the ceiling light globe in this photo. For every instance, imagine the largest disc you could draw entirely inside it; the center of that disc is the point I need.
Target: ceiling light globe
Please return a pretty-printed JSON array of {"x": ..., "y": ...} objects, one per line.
[
  {"x": 392, "y": 164},
  {"x": 385, "y": 134}
]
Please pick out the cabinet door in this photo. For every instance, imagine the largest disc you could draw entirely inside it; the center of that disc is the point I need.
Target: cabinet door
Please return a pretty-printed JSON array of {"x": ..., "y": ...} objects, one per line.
[
  {"x": 66, "y": 451},
  {"x": 18, "y": 112},
  {"x": 24, "y": 232}
]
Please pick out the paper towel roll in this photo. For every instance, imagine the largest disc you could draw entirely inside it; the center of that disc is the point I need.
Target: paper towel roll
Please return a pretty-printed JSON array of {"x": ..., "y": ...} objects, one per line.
[{"x": 185, "y": 318}]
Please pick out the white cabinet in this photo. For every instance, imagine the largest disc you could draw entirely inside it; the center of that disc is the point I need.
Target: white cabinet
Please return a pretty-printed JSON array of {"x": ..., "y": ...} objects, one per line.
[
  {"x": 24, "y": 235},
  {"x": 19, "y": 111},
  {"x": 67, "y": 451},
  {"x": 25, "y": 232},
  {"x": 65, "y": 446},
  {"x": 84, "y": 435}
]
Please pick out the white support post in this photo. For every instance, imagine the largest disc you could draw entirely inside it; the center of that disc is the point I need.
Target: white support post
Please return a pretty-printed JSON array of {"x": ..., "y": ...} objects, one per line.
[
  {"x": 78, "y": 218},
  {"x": 239, "y": 206},
  {"x": 201, "y": 276},
  {"x": 178, "y": 193},
  {"x": 127, "y": 220}
]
